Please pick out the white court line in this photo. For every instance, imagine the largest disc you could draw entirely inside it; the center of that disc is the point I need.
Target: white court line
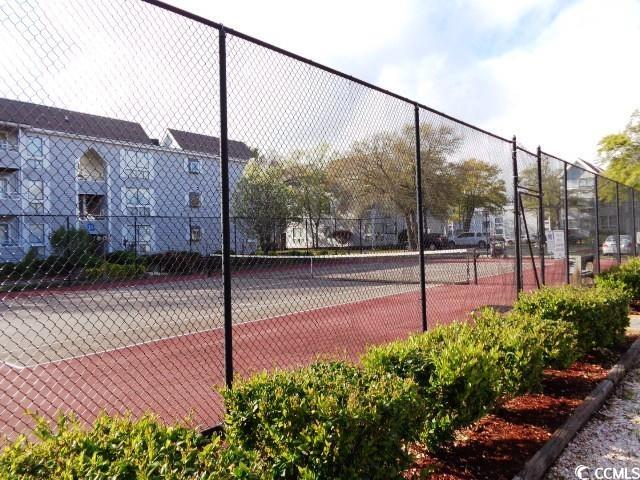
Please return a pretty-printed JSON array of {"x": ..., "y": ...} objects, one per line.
[{"x": 133, "y": 345}]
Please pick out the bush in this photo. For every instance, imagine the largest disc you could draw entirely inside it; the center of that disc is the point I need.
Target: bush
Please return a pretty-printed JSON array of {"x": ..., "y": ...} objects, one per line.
[
  {"x": 112, "y": 448},
  {"x": 327, "y": 421},
  {"x": 76, "y": 245},
  {"x": 113, "y": 271},
  {"x": 628, "y": 274},
  {"x": 125, "y": 257},
  {"x": 456, "y": 376},
  {"x": 600, "y": 314},
  {"x": 519, "y": 342}
]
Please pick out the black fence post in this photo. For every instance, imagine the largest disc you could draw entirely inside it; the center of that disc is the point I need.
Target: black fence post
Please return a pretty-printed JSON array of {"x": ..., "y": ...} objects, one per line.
[
  {"x": 619, "y": 254},
  {"x": 190, "y": 236},
  {"x": 516, "y": 214},
  {"x": 224, "y": 184},
  {"x": 419, "y": 200},
  {"x": 135, "y": 236},
  {"x": 360, "y": 235},
  {"x": 542, "y": 236},
  {"x": 633, "y": 214},
  {"x": 597, "y": 213},
  {"x": 566, "y": 225}
]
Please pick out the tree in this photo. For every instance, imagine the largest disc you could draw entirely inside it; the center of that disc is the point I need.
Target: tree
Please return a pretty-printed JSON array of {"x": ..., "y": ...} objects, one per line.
[
  {"x": 479, "y": 186},
  {"x": 552, "y": 189},
  {"x": 380, "y": 172},
  {"x": 620, "y": 153},
  {"x": 306, "y": 174},
  {"x": 262, "y": 202}
]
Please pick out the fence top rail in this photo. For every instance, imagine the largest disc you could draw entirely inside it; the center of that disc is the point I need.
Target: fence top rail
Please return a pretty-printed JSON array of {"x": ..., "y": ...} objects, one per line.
[
  {"x": 522, "y": 149},
  {"x": 313, "y": 63}
]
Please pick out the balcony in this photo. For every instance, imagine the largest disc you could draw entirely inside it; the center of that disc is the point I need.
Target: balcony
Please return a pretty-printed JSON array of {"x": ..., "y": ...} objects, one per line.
[{"x": 9, "y": 159}]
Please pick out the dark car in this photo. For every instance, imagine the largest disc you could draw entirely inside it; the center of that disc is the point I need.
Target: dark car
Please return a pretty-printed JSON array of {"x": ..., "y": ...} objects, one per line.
[{"x": 435, "y": 241}]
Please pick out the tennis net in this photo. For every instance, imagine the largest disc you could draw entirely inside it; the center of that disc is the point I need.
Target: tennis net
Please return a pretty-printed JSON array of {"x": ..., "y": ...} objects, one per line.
[{"x": 441, "y": 267}]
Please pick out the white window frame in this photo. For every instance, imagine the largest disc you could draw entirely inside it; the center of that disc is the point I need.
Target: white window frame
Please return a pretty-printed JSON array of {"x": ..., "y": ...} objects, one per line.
[
  {"x": 195, "y": 234},
  {"x": 33, "y": 203},
  {"x": 190, "y": 163},
  {"x": 35, "y": 161},
  {"x": 136, "y": 163},
  {"x": 5, "y": 231},
  {"x": 131, "y": 235},
  {"x": 199, "y": 199},
  {"x": 296, "y": 234},
  {"x": 139, "y": 209},
  {"x": 4, "y": 187},
  {"x": 41, "y": 240}
]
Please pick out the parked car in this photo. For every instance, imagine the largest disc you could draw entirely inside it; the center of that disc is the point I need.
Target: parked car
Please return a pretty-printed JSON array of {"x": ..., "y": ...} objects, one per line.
[
  {"x": 497, "y": 245},
  {"x": 469, "y": 239},
  {"x": 610, "y": 247},
  {"x": 435, "y": 241}
]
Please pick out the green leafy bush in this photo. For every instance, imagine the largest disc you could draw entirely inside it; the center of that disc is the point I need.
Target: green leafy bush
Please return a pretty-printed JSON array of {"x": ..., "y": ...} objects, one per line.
[
  {"x": 114, "y": 271},
  {"x": 327, "y": 421},
  {"x": 456, "y": 375},
  {"x": 628, "y": 274},
  {"x": 112, "y": 448},
  {"x": 76, "y": 245},
  {"x": 600, "y": 314},
  {"x": 519, "y": 342}
]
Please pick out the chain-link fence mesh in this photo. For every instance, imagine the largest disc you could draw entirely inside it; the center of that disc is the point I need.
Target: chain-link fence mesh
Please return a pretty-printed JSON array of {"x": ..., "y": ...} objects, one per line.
[{"x": 116, "y": 121}]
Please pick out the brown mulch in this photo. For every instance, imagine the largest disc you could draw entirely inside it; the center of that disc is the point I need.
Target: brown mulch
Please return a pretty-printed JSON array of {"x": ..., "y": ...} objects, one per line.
[{"x": 497, "y": 446}]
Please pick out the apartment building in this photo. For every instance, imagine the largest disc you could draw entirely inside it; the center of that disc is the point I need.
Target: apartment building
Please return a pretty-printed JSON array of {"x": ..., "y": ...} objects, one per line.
[{"x": 61, "y": 168}]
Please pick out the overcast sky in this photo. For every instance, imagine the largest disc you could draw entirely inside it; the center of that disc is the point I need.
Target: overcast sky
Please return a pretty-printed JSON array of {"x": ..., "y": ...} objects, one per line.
[{"x": 557, "y": 73}]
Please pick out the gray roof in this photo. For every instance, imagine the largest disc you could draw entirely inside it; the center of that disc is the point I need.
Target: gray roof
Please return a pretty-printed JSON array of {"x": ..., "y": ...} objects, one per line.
[
  {"x": 197, "y": 142},
  {"x": 68, "y": 121}
]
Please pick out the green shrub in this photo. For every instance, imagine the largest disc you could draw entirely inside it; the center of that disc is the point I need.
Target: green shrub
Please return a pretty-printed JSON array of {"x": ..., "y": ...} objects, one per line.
[
  {"x": 519, "y": 342},
  {"x": 114, "y": 271},
  {"x": 456, "y": 376},
  {"x": 628, "y": 274},
  {"x": 600, "y": 314},
  {"x": 76, "y": 245},
  {"x": 125, "y": 257},
  {"x": 112, "y": 448},
  {"x": 327, "y": 421}
]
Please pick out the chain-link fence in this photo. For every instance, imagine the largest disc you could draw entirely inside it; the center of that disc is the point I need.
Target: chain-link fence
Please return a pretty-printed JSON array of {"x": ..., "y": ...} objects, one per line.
[{"x": 180, "y": 203}]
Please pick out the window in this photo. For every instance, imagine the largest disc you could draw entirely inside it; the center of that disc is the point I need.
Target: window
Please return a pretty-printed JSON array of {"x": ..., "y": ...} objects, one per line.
[
  {"x": 4, "y": 234},
  {"x": 585, "y": 182},
  {"x": 4, "y": 141},
  {"x": 196, "y": 233},
  {"x": 195, "y": 200},
  {"x": 4, "y": 187},
  {"x": 36, "y": 234},
  {"x": 35, "y": 195},
  {"x": 35, "y": 147},
  {"x": 136, "y": 164},
  {"x": 138, "y": 238},
  {"x": 296, "y": 234},
  {"x": 194, "y": 165},
  {"x": 138, "y": 201}
]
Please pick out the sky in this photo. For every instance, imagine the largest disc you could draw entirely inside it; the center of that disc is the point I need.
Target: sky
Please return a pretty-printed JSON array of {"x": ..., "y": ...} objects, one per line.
[
  {"x": 556, "y": 73},
  {"x": 560, "y": 74}
]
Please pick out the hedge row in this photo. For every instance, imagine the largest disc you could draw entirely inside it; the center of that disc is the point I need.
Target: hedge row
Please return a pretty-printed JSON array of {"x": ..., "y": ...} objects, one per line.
[{"x": 334, "y": 420}]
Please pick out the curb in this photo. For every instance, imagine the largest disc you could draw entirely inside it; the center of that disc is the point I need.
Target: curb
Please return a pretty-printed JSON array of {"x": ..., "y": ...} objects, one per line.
[{"x": 537, "y": 466}]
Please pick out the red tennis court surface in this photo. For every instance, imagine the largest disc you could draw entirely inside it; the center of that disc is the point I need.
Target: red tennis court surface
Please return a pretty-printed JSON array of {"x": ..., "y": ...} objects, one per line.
[{"x": 175, "y": 377}]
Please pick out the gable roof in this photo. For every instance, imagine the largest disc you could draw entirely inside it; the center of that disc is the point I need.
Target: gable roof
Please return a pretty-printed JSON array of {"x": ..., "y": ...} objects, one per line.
[
  {"x": 196, "y": 142},
  {"x": 68, "y": 121}
]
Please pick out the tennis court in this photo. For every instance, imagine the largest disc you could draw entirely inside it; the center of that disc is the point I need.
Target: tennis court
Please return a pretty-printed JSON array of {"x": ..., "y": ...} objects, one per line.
[
  {"x": 53, "y": 326},
  {"x": 160, "y": 346}
]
